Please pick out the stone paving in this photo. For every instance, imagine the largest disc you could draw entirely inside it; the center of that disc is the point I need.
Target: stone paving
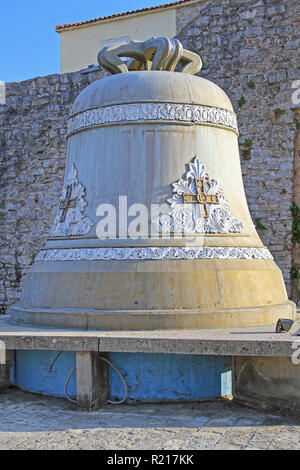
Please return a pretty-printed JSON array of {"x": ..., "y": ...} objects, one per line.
[{"x": 29, "y": 421}]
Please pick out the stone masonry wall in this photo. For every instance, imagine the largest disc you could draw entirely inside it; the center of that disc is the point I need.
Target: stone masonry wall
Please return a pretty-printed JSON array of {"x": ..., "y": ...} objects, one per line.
[
  {"x": 187, "y": 13},
  {"x": 32, "y": 163},
  {"x": 249, "y": 48},
  {"x": 295, "y": 274}
]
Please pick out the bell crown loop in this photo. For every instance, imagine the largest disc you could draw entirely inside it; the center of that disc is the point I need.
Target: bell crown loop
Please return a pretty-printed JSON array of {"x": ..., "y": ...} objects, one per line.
[{"x": 152, "y": 54}]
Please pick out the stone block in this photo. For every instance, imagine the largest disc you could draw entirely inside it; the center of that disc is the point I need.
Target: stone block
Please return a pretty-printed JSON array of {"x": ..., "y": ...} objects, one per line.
[
  {"x": 269, "y": 383},
  {"x": 92, "y": 380},
  {"x": 4, "y": 366}
]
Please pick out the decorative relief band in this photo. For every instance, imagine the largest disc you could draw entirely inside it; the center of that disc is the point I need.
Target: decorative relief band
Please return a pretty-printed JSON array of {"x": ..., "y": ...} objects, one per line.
[
  {"x": 153, "y": 253},
  {"x": 137, "y": 112}
]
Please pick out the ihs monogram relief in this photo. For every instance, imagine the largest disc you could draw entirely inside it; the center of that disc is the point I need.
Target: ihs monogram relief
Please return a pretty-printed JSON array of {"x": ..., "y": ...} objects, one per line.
[
  {"x": 70, "y": 219},
  {"x": 198, "y": 205}
]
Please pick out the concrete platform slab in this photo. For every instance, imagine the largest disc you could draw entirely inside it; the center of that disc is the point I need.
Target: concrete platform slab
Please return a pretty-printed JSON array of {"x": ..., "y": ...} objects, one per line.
[{"x": 246, "y": 341}]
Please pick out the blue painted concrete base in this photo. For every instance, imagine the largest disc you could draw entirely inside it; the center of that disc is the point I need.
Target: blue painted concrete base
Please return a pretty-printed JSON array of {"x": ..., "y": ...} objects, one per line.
[{"x": 149, "y": 377}]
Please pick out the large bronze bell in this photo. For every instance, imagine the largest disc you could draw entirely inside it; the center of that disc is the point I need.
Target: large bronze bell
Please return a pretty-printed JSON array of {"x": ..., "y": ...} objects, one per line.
[{"x": 143, "y": 137}]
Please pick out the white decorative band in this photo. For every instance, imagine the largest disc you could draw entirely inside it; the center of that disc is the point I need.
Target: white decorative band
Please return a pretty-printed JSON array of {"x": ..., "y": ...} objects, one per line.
[
  {"x": 152, "y": 253},
  {"x": 143, "y": 112}
]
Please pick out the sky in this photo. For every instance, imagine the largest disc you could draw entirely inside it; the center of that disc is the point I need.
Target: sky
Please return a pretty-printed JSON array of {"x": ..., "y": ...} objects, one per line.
[{"x": 29, "y": 45}]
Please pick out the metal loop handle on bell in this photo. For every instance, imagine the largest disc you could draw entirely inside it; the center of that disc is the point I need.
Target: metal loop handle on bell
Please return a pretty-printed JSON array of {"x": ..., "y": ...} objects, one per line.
[{"x": 153, "y": 54}]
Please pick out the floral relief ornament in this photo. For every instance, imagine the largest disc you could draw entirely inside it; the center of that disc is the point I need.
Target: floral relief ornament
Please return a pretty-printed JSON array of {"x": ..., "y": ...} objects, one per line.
[
  {"x": 136, "y": 112},
  {"x": 70, "y": 219},
  {"x": 198, "y": 205}
]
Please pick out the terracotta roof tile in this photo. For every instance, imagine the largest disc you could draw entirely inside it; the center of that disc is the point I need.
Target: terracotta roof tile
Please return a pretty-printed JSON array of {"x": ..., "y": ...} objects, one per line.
[{"x": 120, "y": 15}]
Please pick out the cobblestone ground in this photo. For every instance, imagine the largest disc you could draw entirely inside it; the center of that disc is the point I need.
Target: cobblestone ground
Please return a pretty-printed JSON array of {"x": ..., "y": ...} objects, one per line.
[{"x": 30, "y": 421}]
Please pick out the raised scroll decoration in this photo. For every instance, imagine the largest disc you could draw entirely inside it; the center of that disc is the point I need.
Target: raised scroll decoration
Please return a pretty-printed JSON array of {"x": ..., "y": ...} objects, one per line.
[
  {"x": 153, "y": 253},
  {"x": 198, "y": 205},
  {"x": 70, "y": 219},
  {"x": 153, "y": 54}
]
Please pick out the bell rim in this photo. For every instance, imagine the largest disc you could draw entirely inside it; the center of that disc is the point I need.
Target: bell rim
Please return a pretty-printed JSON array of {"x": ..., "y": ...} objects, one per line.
[{"x": 135, "y": 320}]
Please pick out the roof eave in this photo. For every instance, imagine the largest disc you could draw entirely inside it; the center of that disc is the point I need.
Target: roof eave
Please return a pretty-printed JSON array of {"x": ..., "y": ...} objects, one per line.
[{"x": 168, "y": 6}]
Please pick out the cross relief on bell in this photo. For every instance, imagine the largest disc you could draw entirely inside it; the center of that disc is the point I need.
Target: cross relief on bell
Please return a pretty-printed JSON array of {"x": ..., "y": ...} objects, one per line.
[
  {"x": 198, "y": 205},
  {"x": 201, "y": 197},
  {"x": 71, "y": 218},
  {"x": 67, "y": 203}
]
